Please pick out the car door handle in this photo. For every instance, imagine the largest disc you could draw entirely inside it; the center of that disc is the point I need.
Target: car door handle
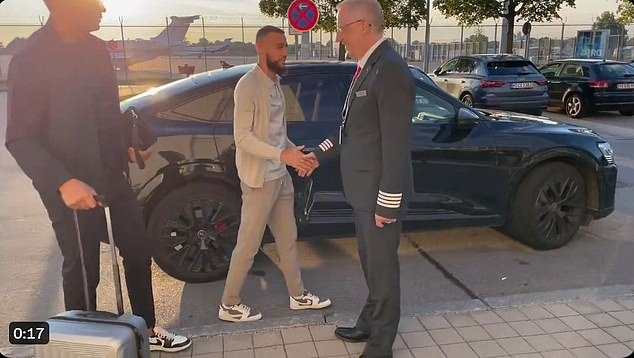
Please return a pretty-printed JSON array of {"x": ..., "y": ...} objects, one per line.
[
  {"x": 446, "y": 80},
  {"x": 462, "y": 82}
]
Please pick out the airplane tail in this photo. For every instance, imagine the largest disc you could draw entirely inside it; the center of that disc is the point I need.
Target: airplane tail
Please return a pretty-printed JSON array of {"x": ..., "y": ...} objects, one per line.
[{"x": 176, "y": 29}]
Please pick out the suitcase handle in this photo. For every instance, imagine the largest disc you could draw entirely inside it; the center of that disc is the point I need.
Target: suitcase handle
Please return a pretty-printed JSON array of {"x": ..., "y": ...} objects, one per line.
[{"x": 102, "y": 200}]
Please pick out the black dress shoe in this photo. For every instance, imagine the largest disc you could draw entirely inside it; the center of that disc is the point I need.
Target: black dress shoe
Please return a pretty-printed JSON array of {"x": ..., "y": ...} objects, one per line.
[{"x": 351, "y": 334}]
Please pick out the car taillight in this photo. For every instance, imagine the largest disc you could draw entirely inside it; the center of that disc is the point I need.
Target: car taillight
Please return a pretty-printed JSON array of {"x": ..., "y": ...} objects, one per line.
[
  {"x": 542, "y": 83},
  {"x": 599, "y": 84},
  {"x": 489, "y": 84}
]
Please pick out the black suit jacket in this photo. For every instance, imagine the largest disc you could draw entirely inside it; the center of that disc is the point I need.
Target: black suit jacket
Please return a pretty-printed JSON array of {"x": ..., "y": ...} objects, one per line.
[
  {"x": 62, "y": 99},
  {"x": 375, "y": 143}
]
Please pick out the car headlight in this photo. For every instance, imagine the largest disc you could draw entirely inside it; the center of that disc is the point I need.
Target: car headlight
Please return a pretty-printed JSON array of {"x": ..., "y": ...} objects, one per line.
[{"x": 607, "y": 152}]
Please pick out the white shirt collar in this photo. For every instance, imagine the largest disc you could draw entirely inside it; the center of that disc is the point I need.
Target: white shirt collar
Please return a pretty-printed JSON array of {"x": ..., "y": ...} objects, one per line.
[{"x": 369, "y": 52}]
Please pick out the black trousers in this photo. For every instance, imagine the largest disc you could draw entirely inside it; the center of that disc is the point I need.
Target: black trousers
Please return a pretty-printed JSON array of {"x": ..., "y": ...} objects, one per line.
[
  {"x": 378, "y": 251},
  {"x": 129, "y": 235}
]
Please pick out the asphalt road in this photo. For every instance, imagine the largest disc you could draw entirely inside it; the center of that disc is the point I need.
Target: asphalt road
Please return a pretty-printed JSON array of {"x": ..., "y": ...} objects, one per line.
[{"x": 441, "y": 270}]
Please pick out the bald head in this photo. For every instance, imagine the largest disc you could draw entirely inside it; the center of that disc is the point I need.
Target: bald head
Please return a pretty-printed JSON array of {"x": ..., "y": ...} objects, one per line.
[
  {"x": 370, "y": 10},
  {"x": 76, "y": 16}
]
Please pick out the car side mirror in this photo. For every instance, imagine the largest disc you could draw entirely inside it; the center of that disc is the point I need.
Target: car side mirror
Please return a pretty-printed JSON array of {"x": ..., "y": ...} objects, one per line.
[
  {"x": 467, "y": 119},
  {"x": 437, "y": 71}
]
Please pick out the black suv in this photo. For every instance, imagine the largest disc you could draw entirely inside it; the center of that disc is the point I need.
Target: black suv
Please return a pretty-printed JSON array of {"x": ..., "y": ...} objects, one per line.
[
  {"x": 583, "y": 86},
  {"x": 537, "y": 179}
]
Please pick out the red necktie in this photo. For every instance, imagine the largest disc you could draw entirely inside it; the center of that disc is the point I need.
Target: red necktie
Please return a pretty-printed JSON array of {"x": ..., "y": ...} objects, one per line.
[{"x": 357, "y": 73}]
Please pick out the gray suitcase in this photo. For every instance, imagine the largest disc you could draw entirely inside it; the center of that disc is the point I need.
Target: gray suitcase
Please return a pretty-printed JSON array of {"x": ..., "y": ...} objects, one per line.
[{"x": 97, "y": 334}]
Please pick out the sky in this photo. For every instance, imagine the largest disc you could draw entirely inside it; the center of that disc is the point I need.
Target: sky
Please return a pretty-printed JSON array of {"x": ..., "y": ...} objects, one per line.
[{"x": 229, "y": 12}]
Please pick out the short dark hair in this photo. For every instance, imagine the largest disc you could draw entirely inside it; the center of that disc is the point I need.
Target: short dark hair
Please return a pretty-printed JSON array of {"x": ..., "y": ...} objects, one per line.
[{"x": 264, "y": 31}]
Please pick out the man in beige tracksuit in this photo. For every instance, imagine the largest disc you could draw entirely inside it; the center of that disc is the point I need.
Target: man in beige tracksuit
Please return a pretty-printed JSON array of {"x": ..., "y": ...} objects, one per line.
[{"x": 262, "y": 152}]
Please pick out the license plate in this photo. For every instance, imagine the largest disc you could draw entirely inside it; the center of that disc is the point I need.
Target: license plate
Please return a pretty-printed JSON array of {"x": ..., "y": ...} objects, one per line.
[
  {"x": 518, "y": 85},
  {"x": 625, "y": 86}
]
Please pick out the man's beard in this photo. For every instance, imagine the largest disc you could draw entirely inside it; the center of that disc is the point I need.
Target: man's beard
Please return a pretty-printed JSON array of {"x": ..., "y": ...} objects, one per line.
[{"x": 275, "y": 66}]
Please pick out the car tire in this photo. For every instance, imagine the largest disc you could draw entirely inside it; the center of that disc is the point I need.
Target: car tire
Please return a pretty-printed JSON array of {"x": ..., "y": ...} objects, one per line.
[
  {"x": 575, "y": 105},
  {"x": 549, "y": 207},
  {"x": 626, "y": 113},
  {"x": 467, "y": 99},
  {"x": 194, "y": 229}
]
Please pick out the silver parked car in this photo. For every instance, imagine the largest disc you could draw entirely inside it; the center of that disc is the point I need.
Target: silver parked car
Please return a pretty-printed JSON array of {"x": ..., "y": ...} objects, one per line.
[{"x": 506, "y": 82}]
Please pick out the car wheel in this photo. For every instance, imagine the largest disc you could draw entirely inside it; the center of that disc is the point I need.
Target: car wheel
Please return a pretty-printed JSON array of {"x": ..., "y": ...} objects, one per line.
[
  {"x": 627, "y": 113},
  {"x": 467, "y": 99},
  {"x": 575, "y": 106},
  {"x": 549, "y": 207},
  {"x": 194, "y": 230}
]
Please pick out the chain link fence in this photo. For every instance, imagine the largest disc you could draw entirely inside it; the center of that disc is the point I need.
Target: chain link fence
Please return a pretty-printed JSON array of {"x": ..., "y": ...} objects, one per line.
[{"x": 181, "y": 46}]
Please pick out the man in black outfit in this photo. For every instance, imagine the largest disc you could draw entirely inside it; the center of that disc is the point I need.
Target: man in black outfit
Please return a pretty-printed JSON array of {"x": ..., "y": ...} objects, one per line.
[{"x": 66, "y": 132}]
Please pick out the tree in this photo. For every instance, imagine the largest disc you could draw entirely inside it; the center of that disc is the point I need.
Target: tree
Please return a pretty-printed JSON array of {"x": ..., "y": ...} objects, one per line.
[
  {"x": 473, "y": 12},
  {"x": 626, "y": 12},
  {"x": 397, "y": 13},
  {"x": 608, "y": 21}
]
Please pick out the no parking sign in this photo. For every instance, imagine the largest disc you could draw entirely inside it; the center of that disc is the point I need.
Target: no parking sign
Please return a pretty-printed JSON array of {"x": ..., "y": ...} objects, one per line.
[{"x": 303, "y": 15}]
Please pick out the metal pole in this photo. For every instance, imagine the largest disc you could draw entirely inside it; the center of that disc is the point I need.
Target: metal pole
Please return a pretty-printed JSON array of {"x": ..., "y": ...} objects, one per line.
[
  {"x": 169, "y": 46},
  {"x": 125, "y": 60},
  {"x": 320, "y": 43},
  {"x": 296, "y": 52},
  {"x": 561, "y": 44},
  {"x": 427, "y": 29},
  {"x": 244, "y": 58},
  {"x": 461, "y": 39},
  {"x": 332, "y": 46},
  {"x": 205, "y": 50},
  {"x": 495, "y": 40}
]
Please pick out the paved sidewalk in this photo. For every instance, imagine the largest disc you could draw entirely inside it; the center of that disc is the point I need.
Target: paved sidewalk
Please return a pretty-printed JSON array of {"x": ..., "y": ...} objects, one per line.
[{"x": 591, "y": 329}]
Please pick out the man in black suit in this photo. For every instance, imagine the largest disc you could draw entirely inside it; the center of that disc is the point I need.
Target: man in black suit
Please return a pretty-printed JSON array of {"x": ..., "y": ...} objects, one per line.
[
  {"x": 66, "y": 132},
  {"x": 374, "y": 149}
]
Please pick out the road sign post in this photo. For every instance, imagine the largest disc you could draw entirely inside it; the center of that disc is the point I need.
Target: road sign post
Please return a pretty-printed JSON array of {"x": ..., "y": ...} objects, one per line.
[{"x": 303, "y": 15}]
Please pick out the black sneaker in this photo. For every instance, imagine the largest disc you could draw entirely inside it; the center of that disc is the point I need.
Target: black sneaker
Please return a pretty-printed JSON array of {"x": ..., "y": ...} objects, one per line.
[{"x": 168, "y": 342}]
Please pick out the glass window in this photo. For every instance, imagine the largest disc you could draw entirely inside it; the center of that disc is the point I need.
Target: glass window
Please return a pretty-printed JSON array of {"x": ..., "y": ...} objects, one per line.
[
  {"x": 572, "y": 70},
  {"x": 449, "y": 67},
  {"x": 551, "y": 70},
  {"x": 215, "y": 106},
  {"x": 429, "y": 108},
  {"x": 315, "y": 97},
  {"x": 421, "y": 75},
  {"x": 616, "y": 70},
  {"x": 465, "y": 66},
  {"x": 518, "y": 68}
]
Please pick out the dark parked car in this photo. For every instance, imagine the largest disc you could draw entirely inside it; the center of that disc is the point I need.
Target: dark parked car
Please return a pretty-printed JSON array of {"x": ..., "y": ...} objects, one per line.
[
  {"x": 538, "y": 180},
  {"x": 506, "y": 82},
  {"x": 583, "y": 86}
]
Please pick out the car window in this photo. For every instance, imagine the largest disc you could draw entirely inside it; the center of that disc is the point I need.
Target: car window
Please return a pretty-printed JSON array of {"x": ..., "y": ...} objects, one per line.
[
  {"x": 574, "y": 70},
  {"x": 419, "y": 74},
  {"x": 215, "y": 106},
  {"x": 449, "y": 67},
  {"x": 616, "y": 70},
  {"x": 502, "y": 68},
  {"x": 429, "y": 108},
  {"x": 551, "y": 70},
  {"x": 315, "y": 97},
  {"x": 465, "y": 66}
]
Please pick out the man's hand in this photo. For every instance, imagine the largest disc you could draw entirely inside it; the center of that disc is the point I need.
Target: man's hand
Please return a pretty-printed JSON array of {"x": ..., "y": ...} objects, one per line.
[
  {"x": 145, "y": 154},
  {"x": 315, "y": 165},
  {"x": 381, "y": 221},
  {"x": 296, "y": 159},
  {"x": 78, "y": 195}
]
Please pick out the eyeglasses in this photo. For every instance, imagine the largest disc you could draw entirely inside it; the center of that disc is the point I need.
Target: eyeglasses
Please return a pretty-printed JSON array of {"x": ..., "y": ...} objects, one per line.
[{"x": 341, "y": 28}]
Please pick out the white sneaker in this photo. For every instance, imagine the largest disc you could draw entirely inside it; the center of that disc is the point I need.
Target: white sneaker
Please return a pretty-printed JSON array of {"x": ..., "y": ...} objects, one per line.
[
  {"x": 308, "y": 301},
  {"x": 238, "y": 313},
  {"x": 168, "y": 342}
]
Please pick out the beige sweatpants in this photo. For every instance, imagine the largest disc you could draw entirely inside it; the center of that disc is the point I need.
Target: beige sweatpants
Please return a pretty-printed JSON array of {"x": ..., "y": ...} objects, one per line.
[{"x": 270, "y": 205}]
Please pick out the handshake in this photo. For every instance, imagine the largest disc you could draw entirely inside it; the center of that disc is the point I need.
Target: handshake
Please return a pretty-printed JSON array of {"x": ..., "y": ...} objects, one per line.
[{"x": 303, "y": 163}]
